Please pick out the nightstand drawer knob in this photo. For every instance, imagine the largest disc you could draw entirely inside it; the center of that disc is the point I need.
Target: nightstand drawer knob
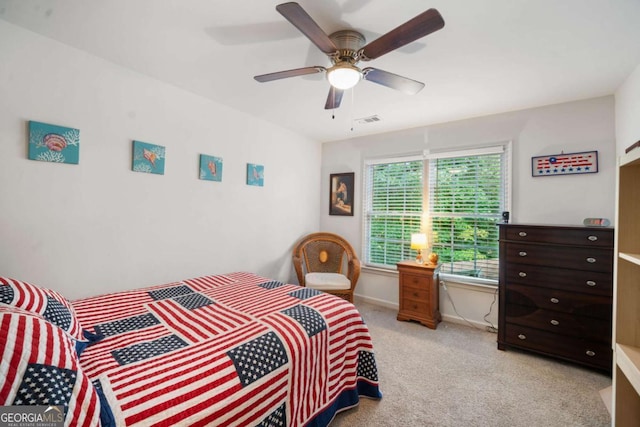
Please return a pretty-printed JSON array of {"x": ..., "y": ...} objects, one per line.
[
  {"x": 522, "y": 234},
  {"x": 555, "y": 300},
  {"x": 592, "y": 238},
  {"x": 591, "y": 283},
  {"x": 522, "y": 253},
  {"x": 522, "y": 336},
  {"x": 555, "y": 322},
  {"x": 591, "y": 260},
  {"x": 522, "y": 274},
  {"x": 591, "y": 353}
]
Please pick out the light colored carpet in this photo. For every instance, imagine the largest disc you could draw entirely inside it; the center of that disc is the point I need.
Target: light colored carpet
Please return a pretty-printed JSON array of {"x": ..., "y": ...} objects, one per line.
[{"x": 456, "y": 376}]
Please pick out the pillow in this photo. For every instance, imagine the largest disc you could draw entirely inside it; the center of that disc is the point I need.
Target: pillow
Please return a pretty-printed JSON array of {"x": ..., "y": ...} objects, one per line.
[
  {"x": 49, "y": 304},
  {"x": 39, "y": 366}
]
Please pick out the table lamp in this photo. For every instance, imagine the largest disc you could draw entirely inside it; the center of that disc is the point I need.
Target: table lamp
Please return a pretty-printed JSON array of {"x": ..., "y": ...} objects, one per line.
[{"x": 419, "y": 242}]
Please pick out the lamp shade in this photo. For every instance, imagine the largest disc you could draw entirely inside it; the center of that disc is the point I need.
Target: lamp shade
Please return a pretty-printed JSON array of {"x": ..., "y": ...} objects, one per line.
[{"x": 418, "y": 241}]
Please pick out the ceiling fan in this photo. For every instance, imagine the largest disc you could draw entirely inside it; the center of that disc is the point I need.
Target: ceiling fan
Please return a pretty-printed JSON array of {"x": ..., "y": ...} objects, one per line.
[{"x": 346, "y": 48}]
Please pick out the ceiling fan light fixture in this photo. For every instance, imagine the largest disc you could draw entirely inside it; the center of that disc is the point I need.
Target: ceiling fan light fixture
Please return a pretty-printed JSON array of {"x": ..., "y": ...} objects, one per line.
[{"x": 344, "y": 75}]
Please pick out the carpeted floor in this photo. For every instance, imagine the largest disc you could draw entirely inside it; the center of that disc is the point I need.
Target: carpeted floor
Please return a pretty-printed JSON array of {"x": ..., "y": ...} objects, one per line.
[{"x": 456, "y": 376}]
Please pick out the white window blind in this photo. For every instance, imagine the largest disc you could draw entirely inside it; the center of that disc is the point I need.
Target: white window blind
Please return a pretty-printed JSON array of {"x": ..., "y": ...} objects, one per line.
[
  {"x": 393, "y": 207},
  {"x": 455, "y": 197},
  {"x": 468, "y": 191}
]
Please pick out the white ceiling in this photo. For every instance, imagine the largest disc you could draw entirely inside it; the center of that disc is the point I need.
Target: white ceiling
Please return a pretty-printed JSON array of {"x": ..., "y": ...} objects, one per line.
[{"x": 491, "y": 56}]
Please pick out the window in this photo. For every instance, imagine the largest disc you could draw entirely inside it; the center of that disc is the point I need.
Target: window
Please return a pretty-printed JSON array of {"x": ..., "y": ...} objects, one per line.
[{"x": 462, "y": 194}]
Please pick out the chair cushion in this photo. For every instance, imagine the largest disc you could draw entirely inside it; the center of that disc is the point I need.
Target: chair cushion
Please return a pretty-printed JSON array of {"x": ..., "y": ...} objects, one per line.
[{"x": 328, "y": 281}]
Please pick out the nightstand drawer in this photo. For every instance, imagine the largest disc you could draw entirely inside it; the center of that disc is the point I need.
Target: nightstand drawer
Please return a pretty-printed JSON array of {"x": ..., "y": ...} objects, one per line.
[
  {"x": 559, "y": 323},
  {"x": 415, "y": 306},
  {"x": 574, "y": 236},
  {"x": 593, "y": 282},
  {"x": 415, "y": 281},
  {"x": 417, "y": 294},
  {"x": 596, "y": 354},
  {"x": 561, "y": 301}
]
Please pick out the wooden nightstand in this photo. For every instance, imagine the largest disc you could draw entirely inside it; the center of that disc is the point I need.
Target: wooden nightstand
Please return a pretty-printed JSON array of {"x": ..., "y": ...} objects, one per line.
[{"x": 419, "y": 295}]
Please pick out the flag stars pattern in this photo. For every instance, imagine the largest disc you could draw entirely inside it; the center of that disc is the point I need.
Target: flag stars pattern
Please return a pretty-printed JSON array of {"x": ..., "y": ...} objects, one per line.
[
  {"x": 6, "y": 294},
  {"x": 305, "y": 293},
  {"x": 271, "y": 284},
  {"x": 125, "y": 325},
  {"x": 193, "y": 301},
  {"x": 367, "y": 366},
  {"x": 309, "y": 319},
  {"x": 172, "y": 292},
  {"x": 45, "y": 385},
  {"x": 57, "y": 313},
  {"x": 147, "y": 350},
  {"x": 258, "y": 357},
  {"x": 277, "y": 418}
]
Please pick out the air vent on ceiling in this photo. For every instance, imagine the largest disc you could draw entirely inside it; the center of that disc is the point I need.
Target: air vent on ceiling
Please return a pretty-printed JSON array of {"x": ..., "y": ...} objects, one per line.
[{"x": 367, "y": 120}]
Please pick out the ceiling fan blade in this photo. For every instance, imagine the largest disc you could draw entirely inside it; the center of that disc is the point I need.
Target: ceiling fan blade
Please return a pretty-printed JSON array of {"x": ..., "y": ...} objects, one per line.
[
  {"x": 334, "y": 99},
  {"x": 289, "y": 73},
  {"x": 425, "y": 23},
  {"x": 394, "y": 81},
  {"x": 307, "y": 26}
]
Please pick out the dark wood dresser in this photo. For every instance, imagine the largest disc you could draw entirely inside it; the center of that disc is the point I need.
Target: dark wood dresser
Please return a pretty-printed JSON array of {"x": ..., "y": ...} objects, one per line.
[
  {"x": 418, "y": 293},
  {"x": 556, "y": 288}
]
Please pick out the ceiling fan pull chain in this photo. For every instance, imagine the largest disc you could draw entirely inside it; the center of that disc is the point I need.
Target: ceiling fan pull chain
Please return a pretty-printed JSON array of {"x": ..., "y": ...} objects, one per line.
[{"x": 353, "y": 103}]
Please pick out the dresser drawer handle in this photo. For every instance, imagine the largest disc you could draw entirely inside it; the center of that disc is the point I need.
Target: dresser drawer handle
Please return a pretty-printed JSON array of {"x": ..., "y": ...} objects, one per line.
[
  {"x": 591, "y": 283},
  {"x": 554, "y": 322},
  {"x": 522, "y": 234},
  {"x": 522, "y": 336},
  {"x": 590, "y": 353},
  {"x": 415, "y": 307},
  {"x": 592, "y": 238},
  {"x": 591, "y": 260},
  {"x": 415, "y": 280},
  {"x": 522, "y": 253},
  {"x": 415, "y": 294},
  {"x": 555, "y": 300},
  {"x": 522, "y": 274}
]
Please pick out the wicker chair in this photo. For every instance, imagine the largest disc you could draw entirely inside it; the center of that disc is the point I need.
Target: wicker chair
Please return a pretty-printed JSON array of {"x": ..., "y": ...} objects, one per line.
[{"x": 319, "y": 260}]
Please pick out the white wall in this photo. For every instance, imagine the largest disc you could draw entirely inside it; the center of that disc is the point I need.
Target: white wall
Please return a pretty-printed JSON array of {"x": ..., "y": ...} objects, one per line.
[
  {"x": 628, "y": 112},
  {"x": 97, "y": 227},
  {"x": 571, "y": 127}
]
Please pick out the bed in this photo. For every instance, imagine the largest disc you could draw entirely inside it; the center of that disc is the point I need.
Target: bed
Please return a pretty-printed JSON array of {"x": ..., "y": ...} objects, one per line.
[{"x": 230, "y": 350}]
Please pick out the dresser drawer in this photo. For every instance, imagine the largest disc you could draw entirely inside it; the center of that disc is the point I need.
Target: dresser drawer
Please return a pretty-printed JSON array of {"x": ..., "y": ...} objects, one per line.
[
  {"x": 575, "y": 258},
  {"x": 414, "y": 281},
  {"x": 563, "y": 236},
  {"x": 561, "y": 301},
  {"x": 592, "y": 282},
  {"x": 597, "y": 354},
  {"x": 560, "y": 323}
]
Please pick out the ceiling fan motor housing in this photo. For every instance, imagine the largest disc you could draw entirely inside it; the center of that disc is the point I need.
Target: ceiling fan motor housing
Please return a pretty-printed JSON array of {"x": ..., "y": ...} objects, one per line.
[{"x": 349, "y": 43}]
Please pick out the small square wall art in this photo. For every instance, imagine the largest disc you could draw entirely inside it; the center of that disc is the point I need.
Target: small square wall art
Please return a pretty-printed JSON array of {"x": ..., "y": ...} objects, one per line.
[
  {"x": 210, "y": 168},
  {"x": 148, "y": 158},
  {"x": 52, "y": 143},
  {"x": 255, "y": 175}
]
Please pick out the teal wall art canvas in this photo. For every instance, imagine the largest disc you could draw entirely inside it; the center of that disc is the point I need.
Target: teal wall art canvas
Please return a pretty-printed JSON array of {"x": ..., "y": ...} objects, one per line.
[
  {"x": 51, "y": 143},
  {"x": 255, "y": 175},
  {"x": 210, "y": 168},
  {"x": 148, "y": 158}
]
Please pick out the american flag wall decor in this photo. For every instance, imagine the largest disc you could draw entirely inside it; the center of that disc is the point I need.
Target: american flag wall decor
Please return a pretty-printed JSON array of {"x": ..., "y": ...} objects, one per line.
[{"x": 565, "y": 164}]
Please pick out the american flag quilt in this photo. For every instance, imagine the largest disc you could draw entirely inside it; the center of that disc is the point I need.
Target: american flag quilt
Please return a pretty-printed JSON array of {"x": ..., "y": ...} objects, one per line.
[{"x": 226, "y": 350}]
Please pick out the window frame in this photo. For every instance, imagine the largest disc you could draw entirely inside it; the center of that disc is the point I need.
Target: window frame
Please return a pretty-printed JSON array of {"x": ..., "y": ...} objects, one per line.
[{"x": 502, "y": 147}]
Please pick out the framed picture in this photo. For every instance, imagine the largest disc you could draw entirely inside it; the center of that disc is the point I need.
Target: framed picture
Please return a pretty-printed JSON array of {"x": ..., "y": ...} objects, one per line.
[
  {"x": 210, "y": 168},
  {"x": 341, "y": 194},
  {"x": 53, "y": 143},
  {"x": 565, "y": 164},
  {"x": 255, "y": 175},
  {"x": 148, "y": 158}
]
